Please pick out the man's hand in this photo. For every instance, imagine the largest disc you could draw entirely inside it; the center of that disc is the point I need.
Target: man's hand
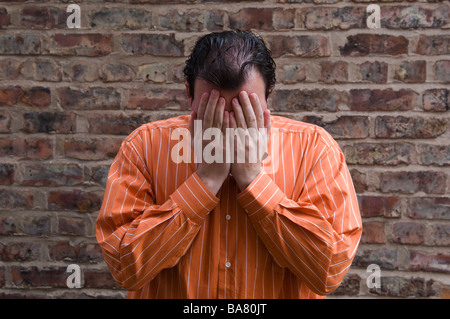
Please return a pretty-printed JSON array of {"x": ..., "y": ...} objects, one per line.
[
  {"x": 252, "y": 130},
  {"x": 211, "y": 112}
]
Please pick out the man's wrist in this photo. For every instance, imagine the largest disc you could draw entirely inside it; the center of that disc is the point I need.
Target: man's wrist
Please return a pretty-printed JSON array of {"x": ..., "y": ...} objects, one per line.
[
  {"x": 213, "y": 184},
  {"x": 244, "y": 180}
]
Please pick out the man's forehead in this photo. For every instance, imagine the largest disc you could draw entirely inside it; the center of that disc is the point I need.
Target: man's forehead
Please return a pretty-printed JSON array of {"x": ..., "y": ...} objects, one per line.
[{"x": 253, "y": 84}]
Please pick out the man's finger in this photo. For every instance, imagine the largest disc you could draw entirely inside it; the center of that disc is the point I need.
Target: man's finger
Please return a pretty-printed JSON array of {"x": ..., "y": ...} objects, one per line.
[
  {"x": 238, "y": 114},
  {"x": 257, "y": 109},
  {"x": 208, "y": 117},
  {"x": 202, "y": 106},
  {"x": 247, "y": 110},
  {"x": 218, "y": 116},
  {"x": 191, "y": 123}
]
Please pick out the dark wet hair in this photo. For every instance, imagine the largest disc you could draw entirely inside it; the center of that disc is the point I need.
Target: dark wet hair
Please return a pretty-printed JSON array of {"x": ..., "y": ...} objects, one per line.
[{"x": 225, "y": 58}]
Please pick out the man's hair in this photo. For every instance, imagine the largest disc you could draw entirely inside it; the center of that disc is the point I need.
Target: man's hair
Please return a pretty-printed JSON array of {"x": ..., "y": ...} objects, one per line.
[{"x": 225, "y": 58}]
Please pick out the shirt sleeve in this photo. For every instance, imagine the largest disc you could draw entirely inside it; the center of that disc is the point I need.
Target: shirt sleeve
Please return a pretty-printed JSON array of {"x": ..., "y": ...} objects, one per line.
[
  {"x": 138, "y": 237},
  {"x": 315, "y": 235}
]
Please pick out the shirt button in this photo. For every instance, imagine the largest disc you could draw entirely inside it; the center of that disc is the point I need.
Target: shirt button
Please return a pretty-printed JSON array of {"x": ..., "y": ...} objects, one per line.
[
  {"x": 227, "y": 217},
  {"x": 228, "y": 264}
]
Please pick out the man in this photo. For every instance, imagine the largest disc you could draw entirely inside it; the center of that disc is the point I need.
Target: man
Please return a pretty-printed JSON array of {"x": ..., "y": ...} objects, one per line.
[{"x": 226, "y": 228}]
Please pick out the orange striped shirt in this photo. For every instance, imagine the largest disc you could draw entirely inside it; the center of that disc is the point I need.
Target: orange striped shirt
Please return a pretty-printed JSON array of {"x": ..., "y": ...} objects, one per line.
[{"x": 292, "y": 233}]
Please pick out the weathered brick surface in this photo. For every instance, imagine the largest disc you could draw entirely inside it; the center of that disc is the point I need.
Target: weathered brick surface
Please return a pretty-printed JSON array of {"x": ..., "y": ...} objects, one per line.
[{"x": 68, "y": 98}]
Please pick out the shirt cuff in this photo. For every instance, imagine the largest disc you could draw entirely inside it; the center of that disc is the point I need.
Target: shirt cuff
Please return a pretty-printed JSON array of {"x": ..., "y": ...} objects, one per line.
[
  {"x": 260, "y": 198},
  {"x": 195, "y": 199}
]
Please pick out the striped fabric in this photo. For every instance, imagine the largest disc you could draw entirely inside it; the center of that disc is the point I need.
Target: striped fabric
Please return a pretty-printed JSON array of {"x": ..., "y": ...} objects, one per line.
[{"x": 292, "y": 233}]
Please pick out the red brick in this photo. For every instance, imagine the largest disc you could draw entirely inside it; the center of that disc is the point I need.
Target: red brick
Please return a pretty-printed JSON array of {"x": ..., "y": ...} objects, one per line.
[
  {"x": 10, "y": 68},
  {"x": 45, "y": 277},
  {"x": 92, "y": 44},
  {"x": 20, "y": 251},
  {"x": 433, "y": 45},
  {"x": 121, "y": 18},
  {"x": 26, "y": 148},
  {"x": 429, "y": 262},
  {"x": 153, "y": 44},
  {"x": 10, "y": 96},
  {"x": 7, "y": 174},
  {"x": 343, "y": 127},
  {"x": 194, "y": 20},
  {"x": 440, "y": 236},
  {"x": 78, "y": 253},
  {"x": 334, "y": 72},
  {"x": 51, "y": 174},
  {"x": 292, "y": 73},
  {"x": 385, "y": 257},
  {"x": 302, "y": 46},
  {"x": 408, "y": 233},
  {"x": 374, "y": 233},
  {"x": 37, "y": 96},
  {"x": 379, "y": 153},
  {"x": 156, "y": 99},
  {"x": 329, "y": 18},
  {"x": 97, "y": 174},
  {"x": 375, "y": 72},
  {"x": 409, "y": 127},
  {"x": 49, "y": 122},
  {"x": 94, "y": 98},
  {"x": 9, "y": 225},
  {"x": 117, "y": 73},
  {"x": 379, "y": 206},
  {"x": 99, "y": 279},
  {"x": 75, "y": 200},
  {"x": 71, "y": 226},
  {"x": 350, "y": 286},
  {"x": 442, "y": 71},
  {"x": 411, "y": 182},
  {"x": 412, "y": 72},
  {"x": 38, "y": 17},
  {"x": 252, "y": 18},
  {"x": 23, "y": 44},
  {"x": 382, "y": 100},
  {"x": 373, "y": 44},
  {"x": 401, "y": 287},
  {"x": 2, "y": 278},
  {"x": 5, "y": 18},
  {"x": 16, "y": 199},
  {"x": 82, "y": 70},
  {"x": 5, "y": 122},
  {"x": 93, "y": 148},
  {"x": 42, "y": 70},
  {"x": 438, "y": 155},
  {"x": 119, "y": 124},
  {"x": 428, "y": 208},
  {"x": 283, "y": 19},
  {"x": 359, "y": 180},
  {"x": 436, "y": 100},
  {"x": 414, "y": 17},
  {"x": 307, "y": 100},
  {"x": 37, "y": 225}
]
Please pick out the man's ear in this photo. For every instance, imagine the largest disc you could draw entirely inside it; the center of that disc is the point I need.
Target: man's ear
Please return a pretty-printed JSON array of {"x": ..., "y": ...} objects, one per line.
[{"x": 188, "y": 93}]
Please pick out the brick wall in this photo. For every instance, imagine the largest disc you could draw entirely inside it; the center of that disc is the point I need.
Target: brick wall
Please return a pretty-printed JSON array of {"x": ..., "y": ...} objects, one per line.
[{"x": 68, "y": 97}]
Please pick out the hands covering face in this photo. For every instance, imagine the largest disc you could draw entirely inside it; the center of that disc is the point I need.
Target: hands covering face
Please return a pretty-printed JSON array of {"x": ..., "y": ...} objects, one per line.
[{"x": 242, "y": 142}]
